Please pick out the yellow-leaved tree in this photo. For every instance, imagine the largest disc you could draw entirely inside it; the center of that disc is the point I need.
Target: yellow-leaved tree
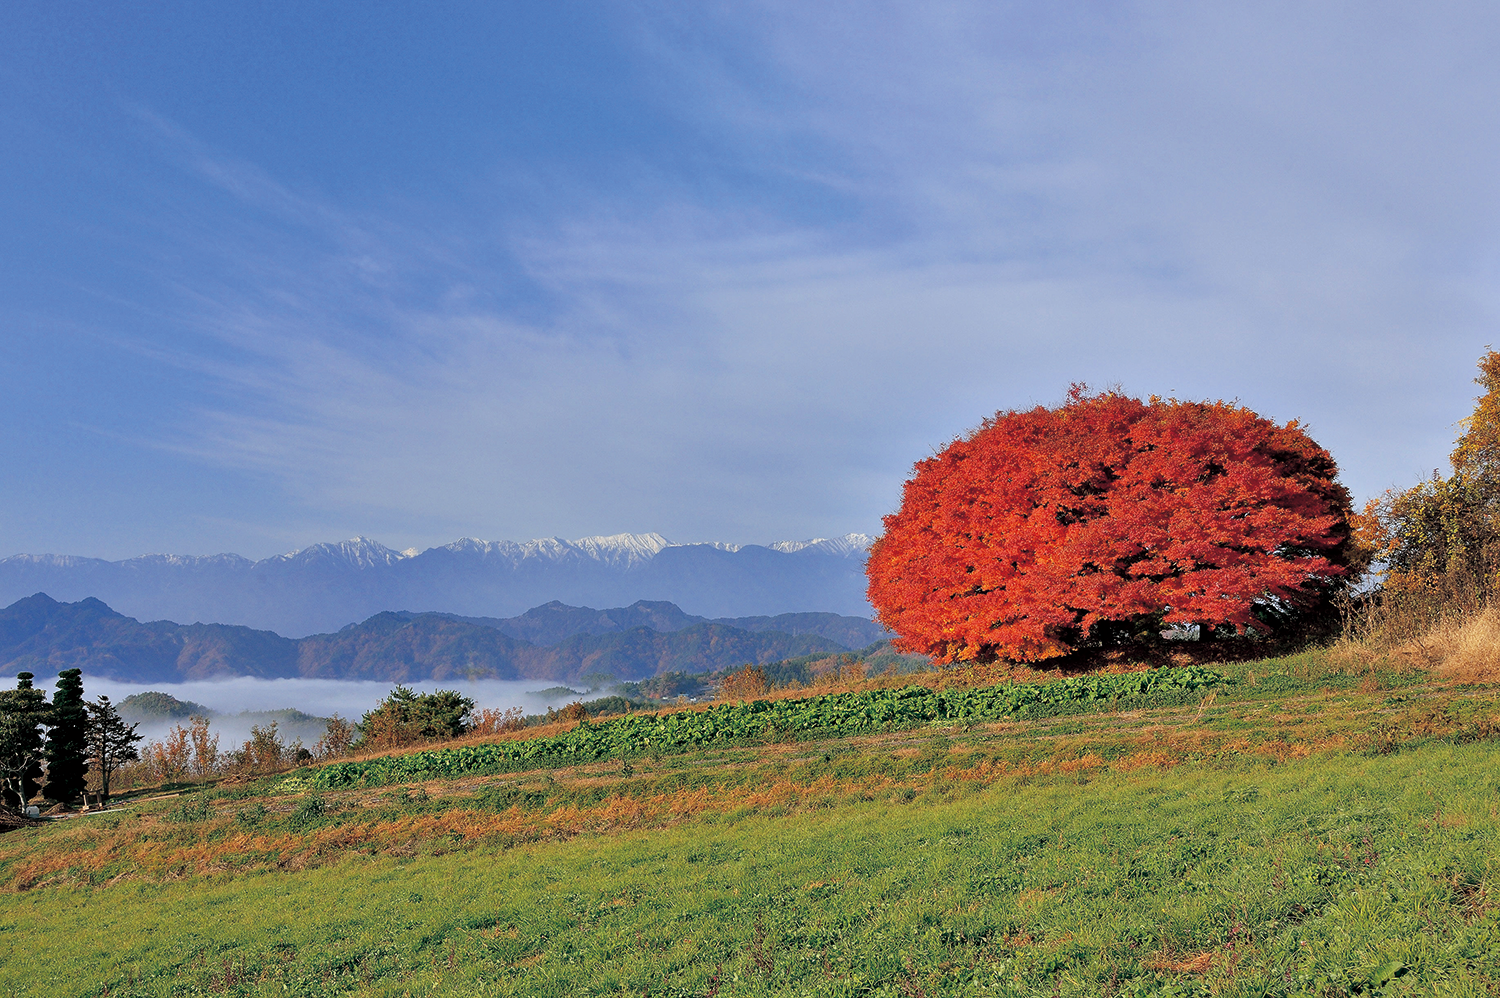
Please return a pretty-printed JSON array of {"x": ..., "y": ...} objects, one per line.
[{"x": 1438, "y": 542}]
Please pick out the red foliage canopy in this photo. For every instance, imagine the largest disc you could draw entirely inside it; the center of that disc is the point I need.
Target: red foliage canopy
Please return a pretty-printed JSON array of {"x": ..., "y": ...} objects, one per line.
[{"x": 1022, "y": 539}]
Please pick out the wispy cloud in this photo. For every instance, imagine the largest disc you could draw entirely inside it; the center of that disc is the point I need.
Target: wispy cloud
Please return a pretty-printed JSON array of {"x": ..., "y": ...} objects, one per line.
[{"x": 909, "y": 218}]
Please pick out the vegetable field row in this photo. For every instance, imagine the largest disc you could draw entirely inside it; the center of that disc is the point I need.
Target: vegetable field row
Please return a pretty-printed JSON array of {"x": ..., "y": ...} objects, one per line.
[{"x": 837, "y": 713}]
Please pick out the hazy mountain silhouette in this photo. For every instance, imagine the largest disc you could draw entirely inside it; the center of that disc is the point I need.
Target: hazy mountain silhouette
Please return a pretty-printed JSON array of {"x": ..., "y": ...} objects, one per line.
[
  {"x": 323, "y": 587},
  {"x": 41, "y": 635}
]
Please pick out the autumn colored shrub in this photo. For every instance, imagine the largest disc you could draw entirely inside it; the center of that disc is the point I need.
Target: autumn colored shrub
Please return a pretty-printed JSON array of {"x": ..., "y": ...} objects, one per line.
[
  {"x": 575, "y": 711},
  {"x": 836, "y": 670},
  {"x": 337, "y": 739},
  {"x": 183, "y": 754},
  {"x": 491, "y": 721},
  {"x": 1437, "y": 543},
  {"x": 170, "y": 759},
  {"x": 263, "y": 751},
  {"x": 205, "y": 747},
  {"x": 1106, "y": 518},
  {"x": 745, "y": 684}
]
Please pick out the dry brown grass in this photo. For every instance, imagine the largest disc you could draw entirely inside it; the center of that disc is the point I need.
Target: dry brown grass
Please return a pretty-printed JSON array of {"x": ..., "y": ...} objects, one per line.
[
  {"x": 1459, "y": 646},
  {"x": 1151, "y": 758},
  {"x": 1197, "y": 963},
  {"x": 1446, "y": 624},
  {"x": 1467, "y": 650}
]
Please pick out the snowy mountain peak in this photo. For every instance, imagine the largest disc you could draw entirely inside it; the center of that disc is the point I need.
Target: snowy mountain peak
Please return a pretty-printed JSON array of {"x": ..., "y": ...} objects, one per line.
[
  {"x": 52, "y": 560},
  {"x": 466, "y": 544},
  {"x": 356, "y": 552},
  {"x": 188, "y": 561},
  {"x": 846, "y": 546},
  {"x": 362, "y": 553},
  {"x": 623, "y": 549}
]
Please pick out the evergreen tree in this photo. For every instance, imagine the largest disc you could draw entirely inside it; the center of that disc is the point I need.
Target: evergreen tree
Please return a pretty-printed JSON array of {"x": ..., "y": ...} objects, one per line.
[
  {"x": 111, "y": 742},
  {"x": 67, "y": 742},
  {"x": 23, "y": 713},
  {"x": 406, "y": 716}
]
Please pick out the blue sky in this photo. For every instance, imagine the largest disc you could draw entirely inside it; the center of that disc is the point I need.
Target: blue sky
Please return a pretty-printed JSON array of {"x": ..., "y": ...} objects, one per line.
[{"x": 278, "y": 273}]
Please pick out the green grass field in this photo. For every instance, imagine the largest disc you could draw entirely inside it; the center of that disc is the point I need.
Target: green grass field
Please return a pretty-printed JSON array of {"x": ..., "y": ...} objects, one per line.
[{"x": 1301, "y": 832}]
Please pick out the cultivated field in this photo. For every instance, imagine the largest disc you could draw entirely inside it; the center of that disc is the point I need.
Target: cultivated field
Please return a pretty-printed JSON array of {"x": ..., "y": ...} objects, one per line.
[{"x": 1297, "y": 830}]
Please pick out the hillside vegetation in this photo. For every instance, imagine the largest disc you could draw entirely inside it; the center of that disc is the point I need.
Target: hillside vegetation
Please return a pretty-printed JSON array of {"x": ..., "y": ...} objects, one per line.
[{"x": 1304, "y": 826}]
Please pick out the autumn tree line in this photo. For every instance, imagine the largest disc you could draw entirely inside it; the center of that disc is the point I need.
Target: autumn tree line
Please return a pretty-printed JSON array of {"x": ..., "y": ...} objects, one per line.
[{"x": 192, "y": 754}]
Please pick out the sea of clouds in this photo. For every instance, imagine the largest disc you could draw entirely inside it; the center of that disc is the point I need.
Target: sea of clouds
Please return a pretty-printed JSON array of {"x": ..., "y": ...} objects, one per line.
[{"x": 231, "y": 698}]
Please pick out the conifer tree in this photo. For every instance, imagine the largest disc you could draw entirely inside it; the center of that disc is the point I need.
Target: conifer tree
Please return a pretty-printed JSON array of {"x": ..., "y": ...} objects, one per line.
[
  {"x": 111, "y": 742},
  {"x": 23, "y": 713},
  {"x": 67, "y": 742}
]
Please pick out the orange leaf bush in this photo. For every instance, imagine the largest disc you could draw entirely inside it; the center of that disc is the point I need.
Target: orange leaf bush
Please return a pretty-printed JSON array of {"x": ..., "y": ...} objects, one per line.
[{"x": 1049, "y": 529}]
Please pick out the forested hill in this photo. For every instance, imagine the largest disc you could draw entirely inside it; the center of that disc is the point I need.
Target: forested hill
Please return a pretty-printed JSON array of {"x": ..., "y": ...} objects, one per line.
[
  {"x": 40, "y": 635},
  {"x": 555, "y": 622}
]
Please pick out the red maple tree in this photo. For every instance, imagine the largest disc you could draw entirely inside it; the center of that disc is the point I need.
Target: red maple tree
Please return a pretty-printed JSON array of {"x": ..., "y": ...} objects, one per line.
[{"x": 1048, "y": 529}]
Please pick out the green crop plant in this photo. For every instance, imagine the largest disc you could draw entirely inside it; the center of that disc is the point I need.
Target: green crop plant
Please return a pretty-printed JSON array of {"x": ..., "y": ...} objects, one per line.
[{"x": 837, "y": 714}]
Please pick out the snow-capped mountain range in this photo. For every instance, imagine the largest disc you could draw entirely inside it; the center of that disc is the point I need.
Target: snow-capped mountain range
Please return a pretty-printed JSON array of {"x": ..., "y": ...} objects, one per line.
[{"x": 325, "y": 586}]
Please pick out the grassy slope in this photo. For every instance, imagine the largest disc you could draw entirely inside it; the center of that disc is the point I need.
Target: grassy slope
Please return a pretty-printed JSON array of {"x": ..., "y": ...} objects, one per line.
[{"x": 1258, "y": 843}]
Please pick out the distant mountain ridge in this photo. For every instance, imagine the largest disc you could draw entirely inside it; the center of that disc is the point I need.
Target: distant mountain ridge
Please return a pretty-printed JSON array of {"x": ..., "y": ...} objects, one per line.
[
  {"x": 323, "y": 587},
  {"x": 44, "y": 636},
  {"x": 555, "y": 622}
]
